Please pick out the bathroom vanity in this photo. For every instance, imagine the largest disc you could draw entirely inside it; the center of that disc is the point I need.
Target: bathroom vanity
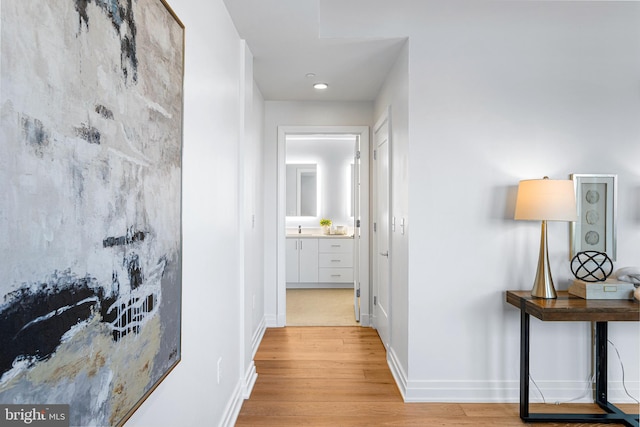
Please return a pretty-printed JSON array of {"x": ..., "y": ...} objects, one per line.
[{"x": 319, "y": 261}]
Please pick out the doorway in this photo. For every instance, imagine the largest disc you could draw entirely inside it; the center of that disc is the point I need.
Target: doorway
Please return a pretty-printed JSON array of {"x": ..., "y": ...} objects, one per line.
[{"x": 359, "y": 218}]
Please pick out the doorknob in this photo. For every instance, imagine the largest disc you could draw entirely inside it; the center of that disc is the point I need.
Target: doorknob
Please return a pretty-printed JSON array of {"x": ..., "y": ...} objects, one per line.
[{"x": 384, "y": 253}]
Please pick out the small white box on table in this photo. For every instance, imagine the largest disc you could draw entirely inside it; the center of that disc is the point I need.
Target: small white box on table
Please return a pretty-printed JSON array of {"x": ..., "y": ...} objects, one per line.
[{"x": 609, "y": 289}]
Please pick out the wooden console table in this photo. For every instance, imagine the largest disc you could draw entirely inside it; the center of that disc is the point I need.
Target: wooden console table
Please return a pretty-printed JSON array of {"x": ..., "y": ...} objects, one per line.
[{"x": 569, "y": 308}]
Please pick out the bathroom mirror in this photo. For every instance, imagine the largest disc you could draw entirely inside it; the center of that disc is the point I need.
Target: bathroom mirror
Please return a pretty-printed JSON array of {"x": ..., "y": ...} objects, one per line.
[{"x": 302, "y": 190}]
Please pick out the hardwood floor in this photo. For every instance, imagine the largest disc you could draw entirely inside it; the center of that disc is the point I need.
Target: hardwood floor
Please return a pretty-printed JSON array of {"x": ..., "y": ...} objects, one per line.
[{"x": 338, "y": 376}]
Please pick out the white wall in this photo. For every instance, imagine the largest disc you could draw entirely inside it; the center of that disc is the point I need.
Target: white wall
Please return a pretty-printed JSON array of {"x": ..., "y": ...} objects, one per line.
[
  {"x": 520, "y": 90},
  {"x": 222, "y": 137},
  {"x": 498, "y": 92},
  {"x": 290, "y": 113}
]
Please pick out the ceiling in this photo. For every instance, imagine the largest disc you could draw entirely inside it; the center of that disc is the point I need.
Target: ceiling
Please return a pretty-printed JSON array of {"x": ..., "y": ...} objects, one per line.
[{"x": 283, "y": 38}]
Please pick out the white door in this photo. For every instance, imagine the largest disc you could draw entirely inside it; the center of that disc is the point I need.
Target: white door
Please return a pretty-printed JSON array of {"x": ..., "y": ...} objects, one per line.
[{"x": 381, "y": 293}]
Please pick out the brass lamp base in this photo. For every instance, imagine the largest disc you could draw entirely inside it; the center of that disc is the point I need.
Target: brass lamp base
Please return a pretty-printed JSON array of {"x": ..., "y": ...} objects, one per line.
[{"x": 543, "y": 284}]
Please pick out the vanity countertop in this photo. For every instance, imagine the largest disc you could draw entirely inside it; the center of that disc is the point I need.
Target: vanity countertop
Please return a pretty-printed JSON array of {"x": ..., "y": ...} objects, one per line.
[{"x": 319, "y": 236}]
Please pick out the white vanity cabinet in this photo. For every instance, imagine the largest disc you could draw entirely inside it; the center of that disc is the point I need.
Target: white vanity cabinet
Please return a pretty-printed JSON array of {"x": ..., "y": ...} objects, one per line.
[
  {"x": 301, "y": 260},
  {"x": 319, "y": 262},
  {"x": 335, "y": 261}
]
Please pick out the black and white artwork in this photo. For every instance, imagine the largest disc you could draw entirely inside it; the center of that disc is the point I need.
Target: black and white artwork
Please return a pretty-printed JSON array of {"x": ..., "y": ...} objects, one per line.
[
  {"x": 595, "y": 229},
  {"x": 90, "y": 203}
]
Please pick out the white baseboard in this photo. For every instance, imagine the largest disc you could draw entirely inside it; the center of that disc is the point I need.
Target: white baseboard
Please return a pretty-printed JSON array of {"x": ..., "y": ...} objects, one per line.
[
  {"x": 233, "y": 407},
  {"x": 488, "y": 391},
  {"x": 464, "y": 391},
  {"x": 256, "y": 339},
  {"x": 271, "y": 321},
  {"x": 616, "y": 392},
  {"x": 398, "y": 372},
  {"x": 509, "y": 391},
  {"x": 245, "y": 386},
  {"x": 250, "y": 377}
]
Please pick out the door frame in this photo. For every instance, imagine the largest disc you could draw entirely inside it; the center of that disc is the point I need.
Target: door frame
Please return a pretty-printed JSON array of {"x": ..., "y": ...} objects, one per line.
[{"x": 363, "y": 270}]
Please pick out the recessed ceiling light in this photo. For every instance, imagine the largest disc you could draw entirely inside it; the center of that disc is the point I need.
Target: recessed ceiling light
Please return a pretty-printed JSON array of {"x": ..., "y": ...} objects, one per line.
[
  {"x": 320, "y": 86},
  {"x": 309, "y": 75}
]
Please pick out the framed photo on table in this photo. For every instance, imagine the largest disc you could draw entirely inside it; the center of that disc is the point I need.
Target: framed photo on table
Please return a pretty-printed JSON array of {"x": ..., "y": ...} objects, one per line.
[{"x": 595, "y": 229}]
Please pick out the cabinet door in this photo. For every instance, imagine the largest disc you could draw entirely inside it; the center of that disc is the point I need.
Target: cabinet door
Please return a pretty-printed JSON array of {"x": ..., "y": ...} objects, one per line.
[
  {"x": 291, "y": 260},
  {"x": 308, "y": 260}
]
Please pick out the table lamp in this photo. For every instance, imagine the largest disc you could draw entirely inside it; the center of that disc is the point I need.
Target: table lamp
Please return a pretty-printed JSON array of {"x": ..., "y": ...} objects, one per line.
[{"x": 545, "y": 200}]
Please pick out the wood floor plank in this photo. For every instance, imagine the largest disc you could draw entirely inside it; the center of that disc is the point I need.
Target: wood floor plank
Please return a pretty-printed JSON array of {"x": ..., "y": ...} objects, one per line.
[
  {"x": 320, "y": 409},
  {"x": 319, "y": 364},
  {"x": 338, "y": 376},
  {"x": 315, "y": 373}
]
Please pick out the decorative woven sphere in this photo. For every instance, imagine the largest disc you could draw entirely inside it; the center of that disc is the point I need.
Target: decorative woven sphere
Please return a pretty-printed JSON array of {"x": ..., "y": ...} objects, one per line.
[{"x": 591, "y": 266}]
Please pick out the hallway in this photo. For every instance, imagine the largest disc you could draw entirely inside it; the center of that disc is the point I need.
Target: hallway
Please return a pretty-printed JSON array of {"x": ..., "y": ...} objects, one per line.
[
  {"x": 323, "y": 376},
  {"x": 338, "y": 376}
]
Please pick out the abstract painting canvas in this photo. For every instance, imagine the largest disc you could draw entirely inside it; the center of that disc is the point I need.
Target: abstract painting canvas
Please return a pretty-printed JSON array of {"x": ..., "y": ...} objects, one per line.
[{"x": 91, "y": 107}]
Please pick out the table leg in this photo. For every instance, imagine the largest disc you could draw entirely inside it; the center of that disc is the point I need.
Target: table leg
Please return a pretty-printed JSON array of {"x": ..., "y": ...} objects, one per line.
[
  {"x": 601, "y": 362},
  {"x": 524, "y": 362}
]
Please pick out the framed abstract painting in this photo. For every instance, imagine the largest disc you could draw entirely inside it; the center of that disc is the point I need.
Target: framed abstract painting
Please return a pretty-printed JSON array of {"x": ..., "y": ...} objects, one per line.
[{"x": 91, "y": 110}]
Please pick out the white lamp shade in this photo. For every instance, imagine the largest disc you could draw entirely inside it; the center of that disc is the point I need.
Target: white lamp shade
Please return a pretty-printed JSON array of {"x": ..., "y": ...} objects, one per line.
[{"x": 546, "y": 200}]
